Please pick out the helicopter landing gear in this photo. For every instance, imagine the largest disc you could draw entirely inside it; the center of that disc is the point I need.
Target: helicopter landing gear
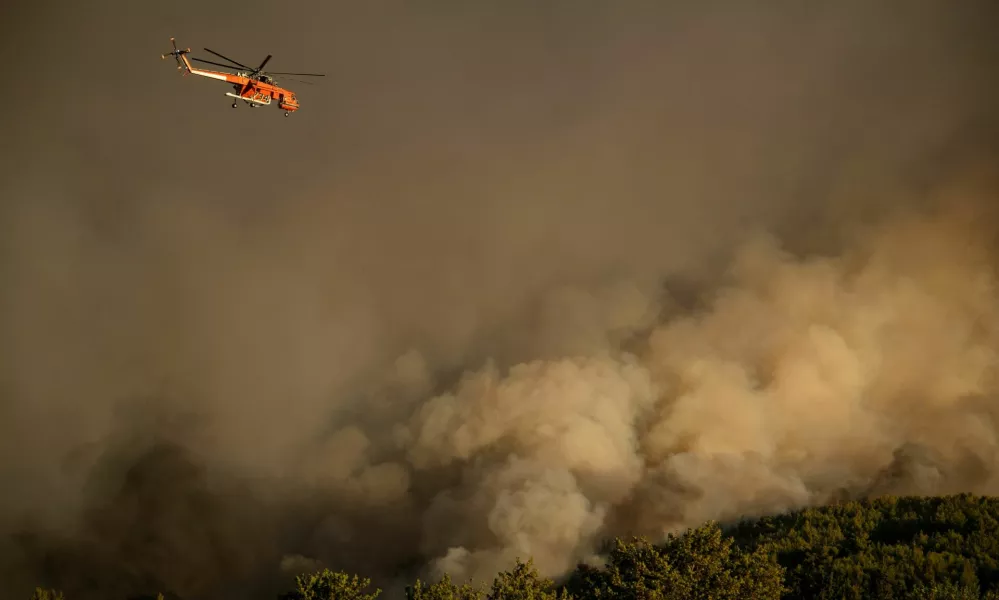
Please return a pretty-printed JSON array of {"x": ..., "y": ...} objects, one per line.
[
  {"x": 234, "y": 105},
  {"x": 287, "y": 113}
]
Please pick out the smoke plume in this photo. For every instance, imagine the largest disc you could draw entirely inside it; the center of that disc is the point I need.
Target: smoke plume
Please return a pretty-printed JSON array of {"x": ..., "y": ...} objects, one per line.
[{"x": 515, "y": 281}]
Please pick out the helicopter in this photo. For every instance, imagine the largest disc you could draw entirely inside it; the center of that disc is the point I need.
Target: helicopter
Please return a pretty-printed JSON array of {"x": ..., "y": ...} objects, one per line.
[{"x": 252, "y": 86}]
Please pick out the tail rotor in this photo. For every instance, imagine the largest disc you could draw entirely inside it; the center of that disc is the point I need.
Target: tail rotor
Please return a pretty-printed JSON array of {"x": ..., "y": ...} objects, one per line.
[{"x": 177, "y": 53}]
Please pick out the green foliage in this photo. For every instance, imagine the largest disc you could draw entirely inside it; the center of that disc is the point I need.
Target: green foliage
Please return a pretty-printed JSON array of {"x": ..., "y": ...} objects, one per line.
[
  {"x": 444, "y": 589},
  {"x": 889, "y": 548},
  {"x": 523, "y": 583},
  {"x": 947, "y": 590},
  {"x": 698, "y": 564},
  {"x": 45, "y": 594},
  {"x": 330, "y": 585}
]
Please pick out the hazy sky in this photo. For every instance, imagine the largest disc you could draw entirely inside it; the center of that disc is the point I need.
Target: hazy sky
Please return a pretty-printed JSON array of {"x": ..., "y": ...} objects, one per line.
[{"x": 291, "y": 302}]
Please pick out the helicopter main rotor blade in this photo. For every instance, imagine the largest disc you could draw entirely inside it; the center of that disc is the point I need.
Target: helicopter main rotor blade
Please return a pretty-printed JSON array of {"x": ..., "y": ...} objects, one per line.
[
  {"x": 208, "y": 62},
  {"x": 229, "y": 59},
  {"x": 303, "y": 74},
  {"x": 263, "y": 63}
]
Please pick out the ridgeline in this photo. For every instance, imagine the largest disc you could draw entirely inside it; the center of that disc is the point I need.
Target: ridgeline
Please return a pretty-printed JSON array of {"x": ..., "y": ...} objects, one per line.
[{"x": 933, "y": 548}]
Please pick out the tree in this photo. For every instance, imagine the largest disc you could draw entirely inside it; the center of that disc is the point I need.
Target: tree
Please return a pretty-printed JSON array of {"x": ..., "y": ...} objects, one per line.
[
  {"x": 709, "y": 567},
  {"x": 947, "y": 590},
  {"x": 524, "y": 583},
  {"x": 330, "y": 585},
  {"x": 444, "y": 589},
  {"x": 888, "y": 548},
  {"x": 700, "y": 563},
  {"x": 636, "y": 570}
]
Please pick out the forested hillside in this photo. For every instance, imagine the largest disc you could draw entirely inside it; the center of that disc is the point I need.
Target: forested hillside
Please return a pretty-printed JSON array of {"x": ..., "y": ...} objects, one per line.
[{"x": 925, "y": 548}]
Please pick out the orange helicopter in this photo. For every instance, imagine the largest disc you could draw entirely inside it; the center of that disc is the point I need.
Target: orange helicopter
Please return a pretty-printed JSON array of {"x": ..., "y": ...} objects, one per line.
[{"x": 252, "y": 86}]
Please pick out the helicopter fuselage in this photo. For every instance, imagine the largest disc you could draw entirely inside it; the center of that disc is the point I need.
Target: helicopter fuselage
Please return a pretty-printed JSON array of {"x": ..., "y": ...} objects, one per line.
[
  {"x": 258, "y": 93},
  {"x": 253, "y": 91}
]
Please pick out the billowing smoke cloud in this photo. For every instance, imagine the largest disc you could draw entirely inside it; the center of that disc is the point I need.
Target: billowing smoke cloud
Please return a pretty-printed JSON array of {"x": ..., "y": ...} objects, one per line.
[
  {"x": 795, "y": 380},
  {"x": 522, "y": 280},
  {"x": 801, "y": 379}
]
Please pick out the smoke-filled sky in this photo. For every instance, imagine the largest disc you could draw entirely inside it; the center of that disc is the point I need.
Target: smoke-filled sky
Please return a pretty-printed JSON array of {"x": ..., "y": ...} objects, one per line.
[{"x": 518, "y": 277}]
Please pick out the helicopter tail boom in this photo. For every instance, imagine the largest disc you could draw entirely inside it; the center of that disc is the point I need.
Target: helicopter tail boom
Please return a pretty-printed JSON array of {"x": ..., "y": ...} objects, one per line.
[{"x": 183, "y": 64}]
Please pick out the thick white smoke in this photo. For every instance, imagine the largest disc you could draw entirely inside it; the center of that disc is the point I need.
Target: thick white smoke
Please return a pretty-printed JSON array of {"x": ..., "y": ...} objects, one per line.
[{"x": 800, "y": 379}]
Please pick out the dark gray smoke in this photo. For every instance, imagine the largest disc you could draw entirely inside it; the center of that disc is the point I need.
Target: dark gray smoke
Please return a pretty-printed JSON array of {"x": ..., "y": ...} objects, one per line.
[{"x": 515, "y": 279}]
